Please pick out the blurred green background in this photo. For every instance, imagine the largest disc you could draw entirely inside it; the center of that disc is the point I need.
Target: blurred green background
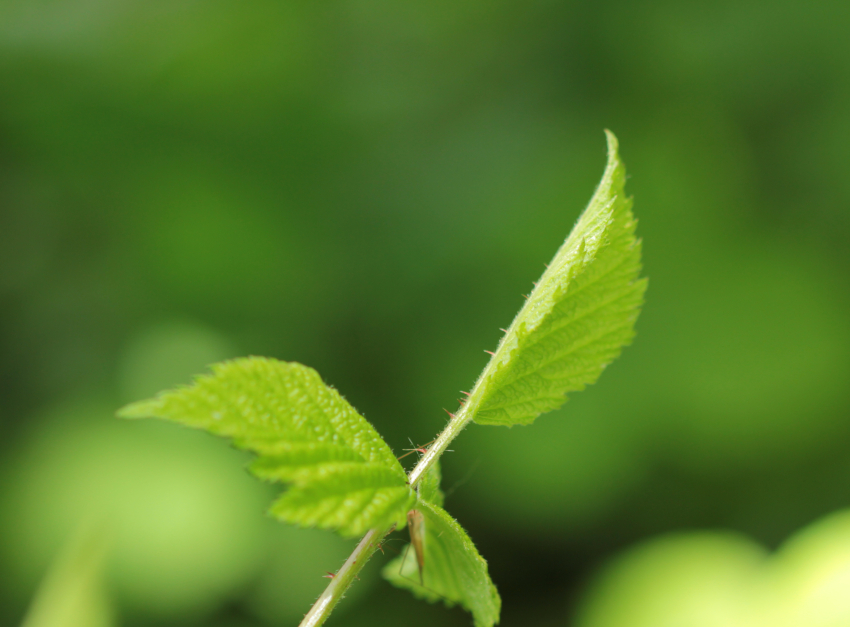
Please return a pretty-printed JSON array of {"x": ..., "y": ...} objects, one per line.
[{"x": 367, "y": 187}]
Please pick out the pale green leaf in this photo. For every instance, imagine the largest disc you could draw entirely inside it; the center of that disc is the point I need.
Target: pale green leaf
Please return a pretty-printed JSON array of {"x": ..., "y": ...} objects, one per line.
[
  {"x": 576, "y": 320},
  {"x": 454, "y": 572},
  {"x": 341, "y": 473}
]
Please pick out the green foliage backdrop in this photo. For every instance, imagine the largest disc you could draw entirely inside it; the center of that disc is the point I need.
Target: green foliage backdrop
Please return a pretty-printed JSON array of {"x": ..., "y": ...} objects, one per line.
[{"x": 367, "y": 188}]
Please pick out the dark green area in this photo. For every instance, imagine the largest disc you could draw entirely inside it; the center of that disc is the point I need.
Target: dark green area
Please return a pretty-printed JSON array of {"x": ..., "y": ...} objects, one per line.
[{"x": 367, "y": 188}]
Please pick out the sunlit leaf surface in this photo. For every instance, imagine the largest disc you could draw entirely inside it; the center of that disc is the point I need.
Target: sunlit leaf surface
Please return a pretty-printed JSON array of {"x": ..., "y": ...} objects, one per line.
[
  {"x": 341, "y": 474},
  {"x": 576, "y": 320}
]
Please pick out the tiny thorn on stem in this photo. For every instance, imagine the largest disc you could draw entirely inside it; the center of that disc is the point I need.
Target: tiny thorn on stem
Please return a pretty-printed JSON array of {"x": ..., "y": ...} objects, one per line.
[
  {"x": 503, "y": 330},
  {"x": 448, "y": 412},
  {"x": 489, "y": 352},
  {"x": 329, "y": 575},
  {"x": 465, "y": 393},
  {"x": 416, "y": 449}
]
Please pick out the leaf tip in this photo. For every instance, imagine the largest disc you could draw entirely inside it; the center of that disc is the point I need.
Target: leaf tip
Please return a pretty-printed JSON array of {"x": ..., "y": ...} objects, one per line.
[
  {"x": 613, "y": 144},
  {"x": 139, "y": 409}
]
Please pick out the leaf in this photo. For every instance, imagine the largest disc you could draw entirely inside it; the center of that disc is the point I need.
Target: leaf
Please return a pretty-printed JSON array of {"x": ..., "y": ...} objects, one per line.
[
  {"x": 576, "y": 320},
  {"x": 454, "y": 571},
  {"x": 341, "y": 473}
]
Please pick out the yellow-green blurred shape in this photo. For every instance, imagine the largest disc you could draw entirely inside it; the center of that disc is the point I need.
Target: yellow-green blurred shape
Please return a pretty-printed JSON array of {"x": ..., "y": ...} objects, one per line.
[
  {"x": 723, "y": 580},
  {"x": 187, "y": 517},
  {"x": 72, "y": 593},
  {"x": 811, "y": 576},
  {"x": 701, "y": 579},
  {"x": 188, "y": 520}
]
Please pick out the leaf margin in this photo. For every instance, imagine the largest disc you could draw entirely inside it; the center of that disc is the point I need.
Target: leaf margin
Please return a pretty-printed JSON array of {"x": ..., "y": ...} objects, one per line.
[{"x": 350, "y": 436}]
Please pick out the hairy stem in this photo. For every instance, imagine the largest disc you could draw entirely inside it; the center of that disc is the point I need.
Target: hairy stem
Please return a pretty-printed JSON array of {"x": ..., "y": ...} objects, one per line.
[
  {"x": 325, "y": 604},
  {"x": 455, "y": 426},
  {"x": 459, "y": 420}
]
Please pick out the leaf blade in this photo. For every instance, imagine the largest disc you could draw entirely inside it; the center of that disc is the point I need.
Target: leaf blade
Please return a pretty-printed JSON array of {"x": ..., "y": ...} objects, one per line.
[
  {"x": 341, "y": 473},
  {"x": 578, "y": 318},
  {"x": 454, "y": 570}
]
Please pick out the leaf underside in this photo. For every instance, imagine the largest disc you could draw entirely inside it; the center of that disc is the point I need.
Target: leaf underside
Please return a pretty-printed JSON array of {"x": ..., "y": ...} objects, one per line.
[
  {"x": 454, "y": 572},
  {"x": 577, "y": 319},
  {"x": 341, "y": 473}
]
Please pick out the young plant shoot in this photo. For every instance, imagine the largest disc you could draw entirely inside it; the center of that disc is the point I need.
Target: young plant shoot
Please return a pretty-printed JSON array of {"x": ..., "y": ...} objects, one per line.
[{"x": 341, "y": 475}]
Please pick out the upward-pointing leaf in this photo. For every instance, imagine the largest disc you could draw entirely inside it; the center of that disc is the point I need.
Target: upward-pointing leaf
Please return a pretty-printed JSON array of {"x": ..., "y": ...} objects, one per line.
[
  {"x": 342, "y": 475},
  {"x": 576, "y": 320}
]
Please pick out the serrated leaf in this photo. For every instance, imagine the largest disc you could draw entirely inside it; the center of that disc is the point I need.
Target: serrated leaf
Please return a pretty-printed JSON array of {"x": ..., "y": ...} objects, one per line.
[
  {"x": 576, "y": 320},
  {"x": 454, "y": 572},
  {"x": 341, "y": 473}
]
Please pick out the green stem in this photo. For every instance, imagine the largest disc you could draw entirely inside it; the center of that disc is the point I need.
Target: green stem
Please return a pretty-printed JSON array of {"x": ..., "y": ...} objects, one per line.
[
  {"x": 325, "y": 604},
  {"x": 455, "y": 426}
]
